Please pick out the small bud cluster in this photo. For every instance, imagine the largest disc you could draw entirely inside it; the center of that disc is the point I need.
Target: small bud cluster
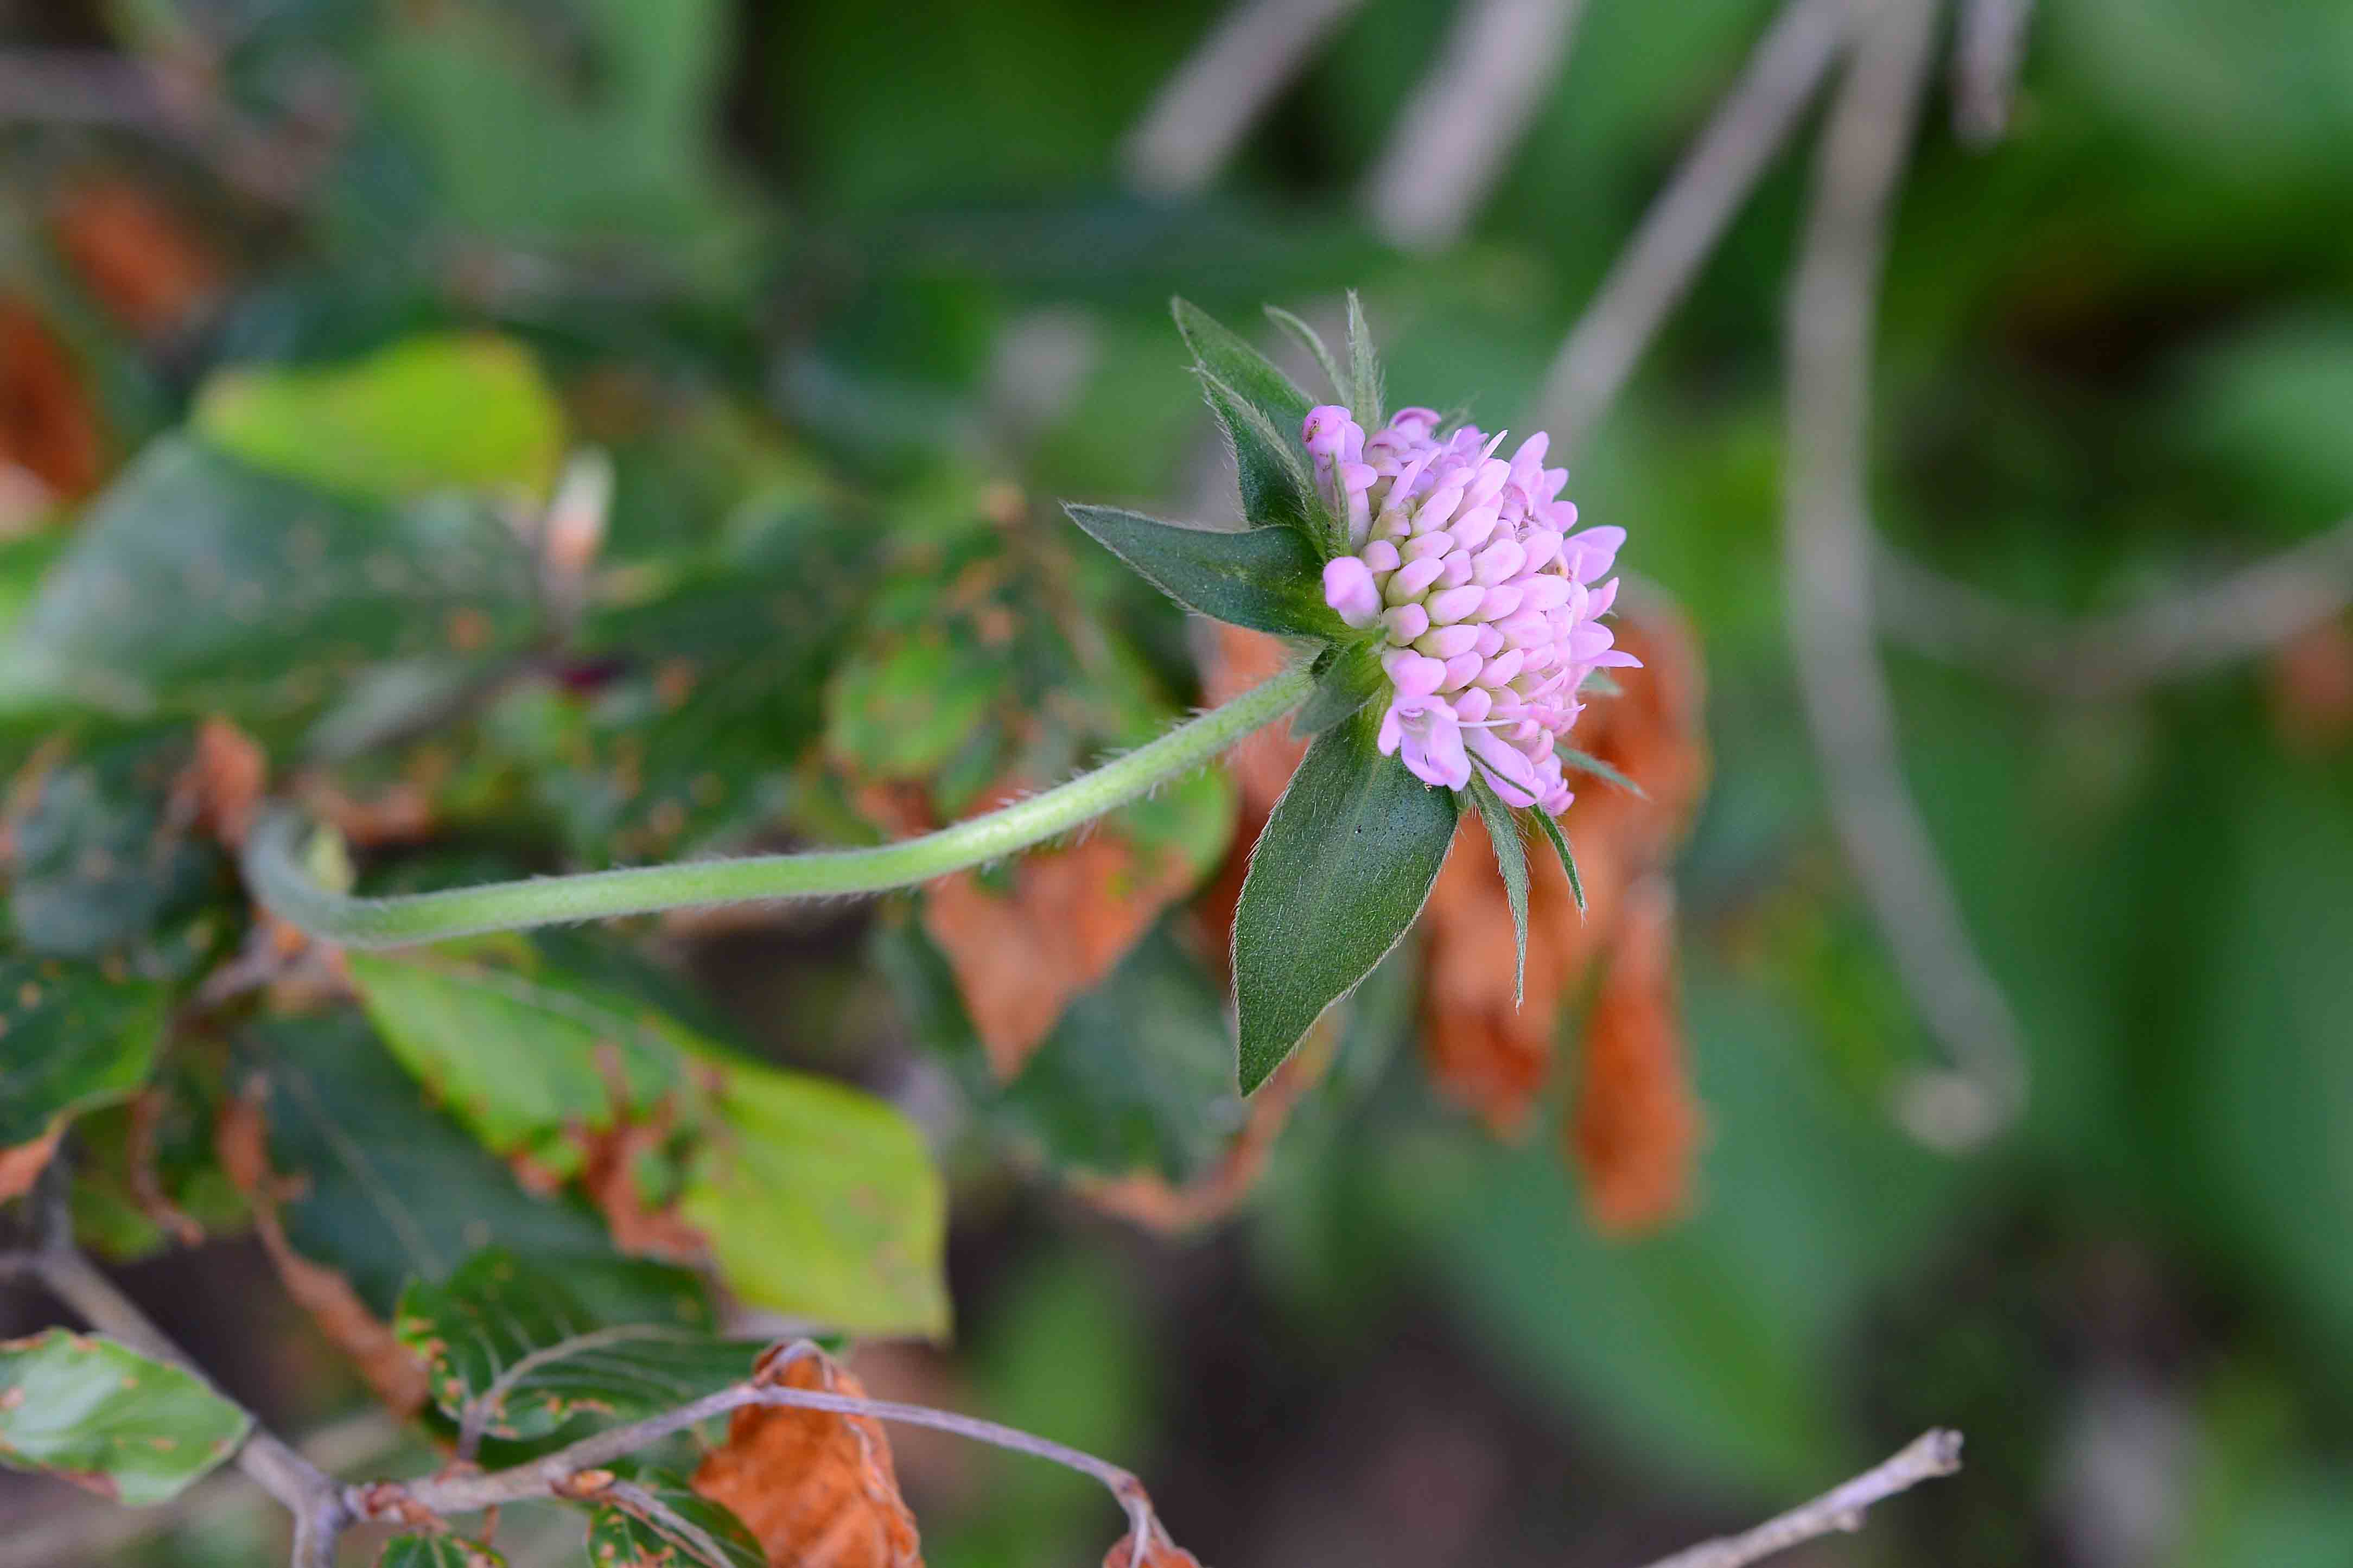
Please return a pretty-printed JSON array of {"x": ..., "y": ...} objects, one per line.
[{"x": 1485, "y": 598}]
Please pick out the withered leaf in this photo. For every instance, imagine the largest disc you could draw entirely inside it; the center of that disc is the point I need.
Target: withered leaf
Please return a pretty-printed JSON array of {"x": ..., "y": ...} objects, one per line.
[
  {"x": 1637, "y": 1123},
  {"x": 817, "y": 1489}
]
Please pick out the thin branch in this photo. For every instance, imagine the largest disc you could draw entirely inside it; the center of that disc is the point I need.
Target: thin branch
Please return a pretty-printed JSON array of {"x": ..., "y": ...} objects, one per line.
[
  {"x": 310, "y": 1495},
  {"x": 1689, "y": 217},
  {"x": 1203, "y": 110},
  {"x": 2235, "y": 617},
  {"x": 1448, "y": 148},
  {"x": 1827, "y": 560},
  {"x": 1985, "y": 59},
  {"x": 552, "y": 1475},
  {"x": 1926, "y": 1456}
]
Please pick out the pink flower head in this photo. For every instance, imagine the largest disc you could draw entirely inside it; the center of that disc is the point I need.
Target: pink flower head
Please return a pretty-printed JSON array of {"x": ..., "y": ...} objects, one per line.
[{"x": 1486, "y": 599}]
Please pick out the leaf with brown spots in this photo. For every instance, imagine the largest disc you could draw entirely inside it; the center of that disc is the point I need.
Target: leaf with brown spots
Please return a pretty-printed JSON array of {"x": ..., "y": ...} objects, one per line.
[
  {"x": 816, "y": 1489},
  {"x": 133, "y": 1429},
  {"x": 651, "y": 1519},
  {"x": 136, "y": 255},
  {"x": 1636, "y": 1129}
]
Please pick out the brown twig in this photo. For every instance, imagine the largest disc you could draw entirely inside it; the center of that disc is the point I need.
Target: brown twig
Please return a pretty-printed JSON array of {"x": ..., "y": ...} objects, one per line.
[
  {"x": 2096, "y": 656},
  {"x": 1447, "y": 146},
  {"x": 1200, "y": 114},
  {"x": 1926, "y": 1456},
  {"x": 1827, "y": 558},
  {"x": 1689, "y": 217}
]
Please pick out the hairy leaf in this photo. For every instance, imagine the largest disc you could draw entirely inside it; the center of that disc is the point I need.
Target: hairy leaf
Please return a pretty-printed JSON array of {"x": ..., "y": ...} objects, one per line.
[
  {"x": 1263, "y": 578},
  {"x": 1567, "y": 860},
  {"x": 1254, "y": 380},
  {"x": 1344, "y": 866},
  {"x": 1312, "y": 341},
  {"x": 512, "y": 1352},
  {"x": 125, "y": 1425},
  {"x": 1348, "y": 678},
  {"x": 1364, "y": 388},
  {"x": 1584, "y": 762},
  {"x": 1278, "y": 489}
]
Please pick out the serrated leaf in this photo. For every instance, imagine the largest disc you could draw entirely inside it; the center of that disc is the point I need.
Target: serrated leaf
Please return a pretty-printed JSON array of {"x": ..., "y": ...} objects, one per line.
[
  {"x": 653, "y": 1519},
  {"x": 1512, "y": 861},
  {"x": 98, "y": 1413},
  {"x": 417, "y": 1550},
  {"x": 1278, "y": 490},
  {"x": 1363, "y": 386},
  {"x": 1567, "y": 860},
  {"x": 1349, "y": 678},
  {"x": 1136, "y": 1076},
  {"x": 464, "y": 411},
  {"x": 512, "y": 1352},
  {"x": 386, "y": 1187},
  {"x": 278, "y": 590},
  {"x": 1345, "y": 864},
  {"x": 1585, "y": 762},
  {"x": 820, "y": 1201},
  {"x": 1312, "y": 341},
  {"x": 101, "y": 858},
  {"x": 1224, "y": 357},
  {"x": 71, "y": 1039},
  {"x": 1266, "y": 579}
]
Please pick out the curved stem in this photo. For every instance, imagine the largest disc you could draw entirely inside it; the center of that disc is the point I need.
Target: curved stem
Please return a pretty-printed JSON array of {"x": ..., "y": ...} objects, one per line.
[{"x": 276, "y": 873}]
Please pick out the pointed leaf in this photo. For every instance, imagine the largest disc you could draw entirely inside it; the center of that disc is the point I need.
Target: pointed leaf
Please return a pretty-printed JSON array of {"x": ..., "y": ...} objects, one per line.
[
  {"x": 420, "y": 1551},
  {"x": 1567, "y": 861},
  {"x": 1224, "y": 356},
  {"x": 1346, "y": 679},
  {"x": 1346, "y": 863},
  {"x": 1270, "y": 465},
  {"x": 126, "y": 1426},
  {"x": 1312, "y": 342},
  {"x": 1584, "y": 762},
  {"x": 1263, "y": 578},
  {"x": 1364, "y": 386},
  {"x": 511, "y": 1352},
  {"x": 1512, "y": 861},
  {"x": 653, "y": 1519}
]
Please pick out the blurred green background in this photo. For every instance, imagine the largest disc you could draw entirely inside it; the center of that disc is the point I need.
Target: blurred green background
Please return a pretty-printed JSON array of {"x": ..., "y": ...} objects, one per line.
[{"x": 824, "y": 247}]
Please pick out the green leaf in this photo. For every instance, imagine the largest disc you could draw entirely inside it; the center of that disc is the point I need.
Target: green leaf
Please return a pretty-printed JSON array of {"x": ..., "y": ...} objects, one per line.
[
  {"x": 102, "y": 857},
  {"x": 463, "y": 411},
  {"x": 1567, "y": 860},
  {"x": 652, "y": 1519},
  {"x": 389, "y": 1188},
  {"x": 822, "y": 1203},
  {"x": 902, "y": 710},
  {"x": 278, "y": 590},
  {"x": 1312, "y": 342},
  {"x": 1364, "y": 386},
  {"x": 1264, "y": 578},
  {"x": 1586, "y": 763},
  {"x": 1253, "y": 380},
  {"x": 1277, "y": 488},
  {"x": 512, "y": 1352},
  {"x": 127, "y": 1426},
  {"x": 1138, "y": 1075},
  {"x": 1512, "y": 861},
  {"x": 437, "y": 1551},
  {"x": 71, "y": 1039},
  {"x": 1345, "y": 865},
  {"x": 1348, "y": 678}
]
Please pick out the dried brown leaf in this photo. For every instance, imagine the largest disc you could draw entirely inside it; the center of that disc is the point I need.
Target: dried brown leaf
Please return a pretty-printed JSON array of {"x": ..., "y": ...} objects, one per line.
[
  {"x": 142, "y": 260},
  {"x": 2311, "y": 681},
  {"x": 225, "y": 779},
  {"x": 48, "y": 420},
  {"x": 1159, "y": 1552},
  {"x": 21, "y": 1164},
  {"x": 1636, "y": 1131},
  {"x": 816, "y": 1489}
]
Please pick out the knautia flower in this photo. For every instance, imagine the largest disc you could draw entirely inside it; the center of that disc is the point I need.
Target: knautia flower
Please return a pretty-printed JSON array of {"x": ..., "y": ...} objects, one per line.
[
  {"x": 1448, "y": 610},
  {"x": 1486, "y": 599}
]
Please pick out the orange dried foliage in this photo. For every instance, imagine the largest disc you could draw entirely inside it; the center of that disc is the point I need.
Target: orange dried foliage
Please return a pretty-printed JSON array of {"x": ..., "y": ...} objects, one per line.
[
  {"x": 49, "y": 421},
  {"x": 138, "y": 256},
  {"x": 610, "y": 1178},
  {"x": 21, "y": 1164},
  {"x": 2311, "y": 681},
  {"x": 1019, "y": 957},
  {"x": 817, "y": 1489},
  {"x": 1636, "y": 1129},
  {"x": 1495, "y": 1057},
  {"x": 389, "y": 1367},
  {"x": 1159, "y": 1552},
  {"x": 226, "y": 780}
]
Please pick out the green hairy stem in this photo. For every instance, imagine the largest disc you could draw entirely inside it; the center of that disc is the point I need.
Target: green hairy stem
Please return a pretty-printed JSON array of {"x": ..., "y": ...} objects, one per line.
[{"x": 278, "y": 877}]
